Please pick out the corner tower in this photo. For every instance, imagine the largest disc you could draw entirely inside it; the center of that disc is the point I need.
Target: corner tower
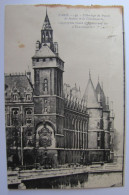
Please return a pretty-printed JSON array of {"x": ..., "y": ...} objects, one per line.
[
  {"x": 95, "y": 126},
  {"x": 48, "y": 89}
]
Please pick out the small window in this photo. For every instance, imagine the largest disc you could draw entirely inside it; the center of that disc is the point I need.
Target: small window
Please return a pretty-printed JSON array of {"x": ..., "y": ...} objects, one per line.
[
  {"x": 28, "y": 111},
  {"x": 45, "y": 109},
  {"x": 28, "y": 97},
  {"x": 28, "y": 121},
  {"x": 15, "y": 111}
]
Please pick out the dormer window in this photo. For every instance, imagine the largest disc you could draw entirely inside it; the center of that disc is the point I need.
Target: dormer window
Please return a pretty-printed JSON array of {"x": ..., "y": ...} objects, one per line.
[
  {"x": 28, "y": 97},
  {"x": 45, "y": 85},
  {"x": 15, "y": 97}
]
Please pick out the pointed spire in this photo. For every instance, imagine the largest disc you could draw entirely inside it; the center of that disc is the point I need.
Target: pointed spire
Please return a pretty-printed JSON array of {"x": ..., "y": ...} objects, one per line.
[
  {"x": 90, "y": 95},
  {"x": 46, "y": 10},
  {"x": 46, "y": 24}
]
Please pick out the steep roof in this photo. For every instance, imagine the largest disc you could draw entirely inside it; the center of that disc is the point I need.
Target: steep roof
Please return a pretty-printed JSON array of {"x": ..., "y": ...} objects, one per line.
[
  {"x": 44, "y": 51},
  {"x": 18, "y": 82},
  {"x": 90, "y": 95},
  {"x": 46, "y": 24},
  {"x": 100, "y": 91}
]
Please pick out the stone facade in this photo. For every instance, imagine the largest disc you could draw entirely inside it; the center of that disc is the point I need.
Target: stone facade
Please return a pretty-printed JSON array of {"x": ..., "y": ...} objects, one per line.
[{"x": 50, "y": 123}]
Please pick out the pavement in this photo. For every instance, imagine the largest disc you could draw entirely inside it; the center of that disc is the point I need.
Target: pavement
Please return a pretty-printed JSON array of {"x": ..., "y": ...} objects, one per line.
[{"x": 16, "y": 177}]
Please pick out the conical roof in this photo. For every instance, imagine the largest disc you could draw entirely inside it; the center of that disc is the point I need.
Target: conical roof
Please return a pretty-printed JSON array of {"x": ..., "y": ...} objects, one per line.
[
  {"x": 100, "y": 91},
  {"x": 98, "y": 88},
  {"x": 46, "y": 24},
  {"x": 90, "y": 95}
]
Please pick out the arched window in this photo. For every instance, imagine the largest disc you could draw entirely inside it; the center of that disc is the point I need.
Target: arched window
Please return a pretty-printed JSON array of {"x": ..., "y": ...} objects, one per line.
[
  {"x": 15, "y": 115},
  {"x": 28, "y": 111},
  {"x": 45, "y": 85},
  {"x": 15, "y": 111},
  {"x": 46, "y": 37}
]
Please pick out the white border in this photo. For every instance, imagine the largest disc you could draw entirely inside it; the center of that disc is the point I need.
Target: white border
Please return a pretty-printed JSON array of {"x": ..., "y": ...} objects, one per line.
[{"x": 3, "y": 183}]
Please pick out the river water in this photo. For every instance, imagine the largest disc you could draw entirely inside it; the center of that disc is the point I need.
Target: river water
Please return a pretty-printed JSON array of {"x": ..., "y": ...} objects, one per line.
[{"x": 79, "y": 181}]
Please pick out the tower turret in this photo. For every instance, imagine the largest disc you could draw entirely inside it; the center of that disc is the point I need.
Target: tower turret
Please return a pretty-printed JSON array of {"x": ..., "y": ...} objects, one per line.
[{"x": 48, "y": 89}]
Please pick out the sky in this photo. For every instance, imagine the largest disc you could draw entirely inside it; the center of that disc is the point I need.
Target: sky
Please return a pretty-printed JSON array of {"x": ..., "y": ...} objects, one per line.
[{"x": 94, "y": 42}]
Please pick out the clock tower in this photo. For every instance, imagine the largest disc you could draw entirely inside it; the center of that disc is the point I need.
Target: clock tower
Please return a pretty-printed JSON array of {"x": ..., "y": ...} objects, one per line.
[{"x": 48, "y": 91}]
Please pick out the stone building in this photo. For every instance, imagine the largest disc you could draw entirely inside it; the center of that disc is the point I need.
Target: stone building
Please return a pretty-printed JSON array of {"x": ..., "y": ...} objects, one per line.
[
  {"x": 19, "y": 116},
  {"x": 50, "y": 122}
]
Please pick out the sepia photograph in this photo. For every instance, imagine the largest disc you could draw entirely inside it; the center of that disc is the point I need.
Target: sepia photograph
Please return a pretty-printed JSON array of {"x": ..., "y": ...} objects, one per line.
[{"x": 64, "y": 96}]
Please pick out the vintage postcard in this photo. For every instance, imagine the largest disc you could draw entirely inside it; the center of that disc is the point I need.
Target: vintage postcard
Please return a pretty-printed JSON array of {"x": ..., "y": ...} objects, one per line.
[{"x": 64, "y": 96}]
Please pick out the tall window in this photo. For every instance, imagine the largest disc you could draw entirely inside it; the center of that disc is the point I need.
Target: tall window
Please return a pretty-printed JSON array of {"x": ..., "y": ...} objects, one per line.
[
  {"x": 15, "y": 113},
  {"x": 28, "y": 113},
  {"x": 45, "y": 85}
]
